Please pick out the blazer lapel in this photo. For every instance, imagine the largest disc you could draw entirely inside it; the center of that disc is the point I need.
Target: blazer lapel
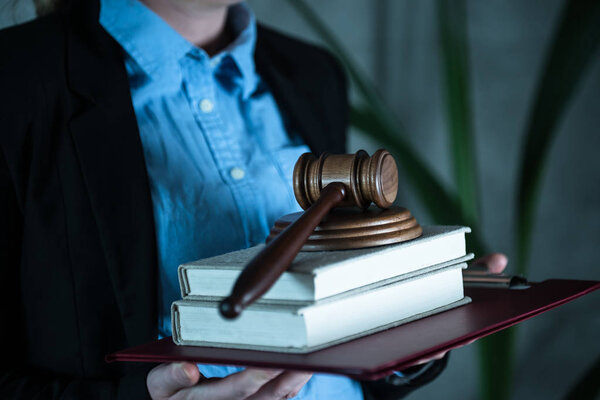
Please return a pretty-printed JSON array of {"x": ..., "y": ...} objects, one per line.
[
  {"x": 295, "y": 101},
  {"x": 110, "y": 152}
]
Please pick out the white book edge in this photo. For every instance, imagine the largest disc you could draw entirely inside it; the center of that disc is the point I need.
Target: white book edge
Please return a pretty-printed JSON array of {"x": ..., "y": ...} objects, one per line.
[
  {"x": 458, "y": 263},
  {"x": 260, "y": 320},
  {"x": 301, "y": 350},
  {"x": 345, "y": 268}
]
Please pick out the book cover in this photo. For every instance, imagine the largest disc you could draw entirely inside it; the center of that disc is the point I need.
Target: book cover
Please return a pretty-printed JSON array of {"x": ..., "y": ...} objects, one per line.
[
  {"x": 377, "y": 355},
  {"x": 308, "y": 326},
  {"x": 316, "y": 275}
]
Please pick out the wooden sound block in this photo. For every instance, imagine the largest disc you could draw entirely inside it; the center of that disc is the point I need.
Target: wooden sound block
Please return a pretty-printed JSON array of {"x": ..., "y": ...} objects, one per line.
[{"x": 351, "y": 228}]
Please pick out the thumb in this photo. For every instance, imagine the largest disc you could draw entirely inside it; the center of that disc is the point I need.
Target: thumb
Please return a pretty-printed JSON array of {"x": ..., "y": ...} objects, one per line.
[
  {"x": 493, "y": 263},
  {"x": 167, "y": 379}
]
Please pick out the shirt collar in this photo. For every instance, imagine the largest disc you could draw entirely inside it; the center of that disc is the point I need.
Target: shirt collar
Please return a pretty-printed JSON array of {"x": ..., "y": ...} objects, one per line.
[
  {"x": 145, "y": 37},
  {"x": 243, "y": 25},
  {"x": 157, "y": 48}
]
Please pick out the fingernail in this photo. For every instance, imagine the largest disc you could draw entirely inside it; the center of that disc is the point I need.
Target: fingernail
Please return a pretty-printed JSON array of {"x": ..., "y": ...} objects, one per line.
[
  {"x": 499, "y": 262},
  {"x": 184, "y": 372}
]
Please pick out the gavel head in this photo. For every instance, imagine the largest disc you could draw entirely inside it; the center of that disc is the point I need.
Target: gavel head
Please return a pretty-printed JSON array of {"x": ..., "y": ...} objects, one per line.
[{"x": 367, "y": 179}]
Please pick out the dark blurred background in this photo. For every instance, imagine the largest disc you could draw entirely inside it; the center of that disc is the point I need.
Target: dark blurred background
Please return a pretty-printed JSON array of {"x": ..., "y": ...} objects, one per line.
[{"x": 398, "y": 49}]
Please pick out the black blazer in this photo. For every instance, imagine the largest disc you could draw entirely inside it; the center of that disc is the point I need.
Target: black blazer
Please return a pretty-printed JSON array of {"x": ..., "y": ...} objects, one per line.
[{"x": 77, "y": 242}]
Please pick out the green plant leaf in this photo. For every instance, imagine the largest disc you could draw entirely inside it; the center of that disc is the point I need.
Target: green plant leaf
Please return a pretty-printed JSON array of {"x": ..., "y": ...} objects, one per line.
[
  {"x": 570, "y": 53},
  {"x": 441, "y": 206},
  {"x": 452, "y": 30},
  {"x": 496, "y": 363},
  {"x": 575, "y": 44},
  {"x": 364, "y": 87},
  {"x": 495, "y": 352},
  {"x": 376, "y": 119}
]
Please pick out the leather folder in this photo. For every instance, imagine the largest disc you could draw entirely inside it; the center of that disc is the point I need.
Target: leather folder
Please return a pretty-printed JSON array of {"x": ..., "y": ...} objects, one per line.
[{"x": 372, "y": 357}]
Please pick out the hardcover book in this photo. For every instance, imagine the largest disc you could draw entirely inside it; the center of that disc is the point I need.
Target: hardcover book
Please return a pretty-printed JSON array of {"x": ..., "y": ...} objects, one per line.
[
  {"x": 318, "y": 275},
  {"x": 377, "y": 355},
  {"x": 317, "y": 324}
]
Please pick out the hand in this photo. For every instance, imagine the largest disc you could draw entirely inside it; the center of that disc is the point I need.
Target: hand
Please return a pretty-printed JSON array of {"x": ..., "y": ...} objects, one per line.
[
  {"x": 178, "y": 381},
  {"x": 493, "y": 263}
]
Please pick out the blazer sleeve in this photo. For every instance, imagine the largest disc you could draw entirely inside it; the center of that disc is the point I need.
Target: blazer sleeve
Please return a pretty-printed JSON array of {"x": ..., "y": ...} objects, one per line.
[
  {"x": 17, "y": 379},
  {"x": 29, "y": 385},
  {"x": 395, "y": 387}
]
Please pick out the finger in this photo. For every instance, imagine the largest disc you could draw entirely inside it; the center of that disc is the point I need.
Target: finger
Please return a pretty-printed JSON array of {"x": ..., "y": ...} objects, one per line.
[
  {"x": 285, "y": 386},
  {"x": 166, "y": 379},
  {"x": 494, "y": 263},
  {"x": 235, "y": 386},
  {"x": 437, "y": 356},
  {"x": 442, "y": 354}
]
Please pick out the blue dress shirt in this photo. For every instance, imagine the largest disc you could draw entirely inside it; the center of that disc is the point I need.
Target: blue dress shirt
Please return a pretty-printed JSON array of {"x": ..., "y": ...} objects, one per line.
[{"x": 218, "y": 155}]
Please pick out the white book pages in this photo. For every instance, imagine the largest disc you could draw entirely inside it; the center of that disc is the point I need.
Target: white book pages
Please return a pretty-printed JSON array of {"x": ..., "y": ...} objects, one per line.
[
  {"x": 318, "y": 275},
  {"x": 292, "y": 328}
]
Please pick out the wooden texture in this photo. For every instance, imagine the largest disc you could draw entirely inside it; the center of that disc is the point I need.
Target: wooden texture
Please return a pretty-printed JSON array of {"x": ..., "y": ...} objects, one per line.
[
  {"x": 351, "y": 228},
  {"x": 367, "y": 179},
  {"x": 264, "y": 269},
  {"x": 319, "y": 185}
]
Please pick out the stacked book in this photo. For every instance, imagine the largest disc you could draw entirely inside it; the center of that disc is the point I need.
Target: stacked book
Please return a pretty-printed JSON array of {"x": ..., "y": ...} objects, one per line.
[{"x": 325, "y": 297}]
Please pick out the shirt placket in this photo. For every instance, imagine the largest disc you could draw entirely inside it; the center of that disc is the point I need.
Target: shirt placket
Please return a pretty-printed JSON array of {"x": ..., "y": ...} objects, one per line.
[{"x": 225, "y": 149}]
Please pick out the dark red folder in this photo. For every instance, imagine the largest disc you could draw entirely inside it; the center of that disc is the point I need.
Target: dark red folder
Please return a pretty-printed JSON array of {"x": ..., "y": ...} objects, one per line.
[{"x": 377, "y": 355}]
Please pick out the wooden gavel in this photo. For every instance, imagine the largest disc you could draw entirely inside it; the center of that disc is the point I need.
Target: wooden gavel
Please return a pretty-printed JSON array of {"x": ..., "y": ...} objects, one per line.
[{"x": 320, "y": 184}]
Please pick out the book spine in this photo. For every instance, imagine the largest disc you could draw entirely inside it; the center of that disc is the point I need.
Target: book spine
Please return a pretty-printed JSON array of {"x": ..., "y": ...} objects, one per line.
[
  {"x": 176, "y": 325},
  {"x": 184, "y": 284}
]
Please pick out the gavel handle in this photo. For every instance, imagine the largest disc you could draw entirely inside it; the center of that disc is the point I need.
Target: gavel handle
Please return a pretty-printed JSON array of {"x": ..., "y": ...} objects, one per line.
[{"x": 268, "y": 265}]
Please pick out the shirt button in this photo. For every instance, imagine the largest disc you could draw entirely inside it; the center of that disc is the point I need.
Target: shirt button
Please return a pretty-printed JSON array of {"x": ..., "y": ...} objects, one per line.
[
  {"x": 206, "y": 105},
  {"x": 237, "y": 173},
  {"x": 214, "y": 62}
]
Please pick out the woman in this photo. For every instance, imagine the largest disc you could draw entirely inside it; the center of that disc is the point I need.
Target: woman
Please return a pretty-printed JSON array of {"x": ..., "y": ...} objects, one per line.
[{"x": 134, "y": 137}]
